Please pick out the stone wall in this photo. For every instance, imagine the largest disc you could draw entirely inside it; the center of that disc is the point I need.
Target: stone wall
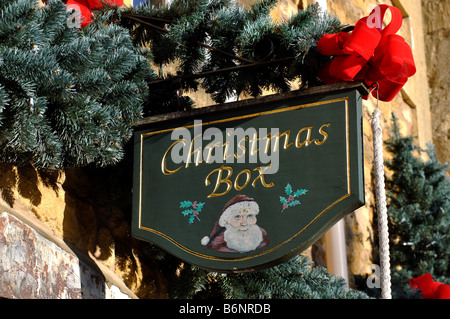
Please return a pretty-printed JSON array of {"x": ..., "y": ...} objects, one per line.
[
  {"x": 436, "y": 15},
  {"x": 88, "y": 210},
  {"x": 35, "y": 267}
]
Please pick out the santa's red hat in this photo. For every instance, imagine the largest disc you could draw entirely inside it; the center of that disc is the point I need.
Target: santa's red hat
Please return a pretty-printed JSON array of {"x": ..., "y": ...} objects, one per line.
[{"x": 237, "y": 203}]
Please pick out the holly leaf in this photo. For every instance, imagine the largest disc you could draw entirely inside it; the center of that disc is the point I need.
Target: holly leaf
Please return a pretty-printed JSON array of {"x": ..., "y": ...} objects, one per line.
[
  {"x": 185, "y": 204},
  {"x": 191, "y": 219},
  {"x": 288, "y": 189},
  {"x": 294, "y": 203},
  {"x": 283, "y": 200},
  {"x": 200, "y": 206},
  {"x": 187, "y": 212},
  {"x": 300, "y": 192}
]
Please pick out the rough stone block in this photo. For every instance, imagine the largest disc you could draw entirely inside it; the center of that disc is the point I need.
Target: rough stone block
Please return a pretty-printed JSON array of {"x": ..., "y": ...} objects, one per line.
[{"x": 33, "y": 267}]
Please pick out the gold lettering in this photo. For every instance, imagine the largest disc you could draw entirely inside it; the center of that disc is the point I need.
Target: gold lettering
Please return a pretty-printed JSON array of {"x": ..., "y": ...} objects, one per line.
[
  {"x": 225, "y": 151},
  {"x": 164, "y": 168},
  {"x": 236, "y": 184},
  {"x": 286, "y": 140},
  {"x": 242, "y": 147},
  {"x": 220, "y": 180},
  {"x": 307, "y": 141},
  {"x": 210, "y": 148},
  {"x": 269, "y": 137},
  {"x": 198, "y": 150},
  {"x": 253, "y": 149},
  {"x": 261, "y": 177},
  {"x": 276, "y": 138},
  {"x": 323, "y": 133}
]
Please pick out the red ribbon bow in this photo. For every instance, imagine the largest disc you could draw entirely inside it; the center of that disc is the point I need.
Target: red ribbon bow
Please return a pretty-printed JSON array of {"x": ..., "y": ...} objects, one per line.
[
  {"x": 370, "y": 53},
  {"x": 430, "y": 289}
]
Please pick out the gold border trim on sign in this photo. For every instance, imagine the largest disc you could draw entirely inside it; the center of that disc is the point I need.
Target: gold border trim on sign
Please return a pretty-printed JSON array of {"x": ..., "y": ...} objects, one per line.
[{"x": 291, "y": 108}]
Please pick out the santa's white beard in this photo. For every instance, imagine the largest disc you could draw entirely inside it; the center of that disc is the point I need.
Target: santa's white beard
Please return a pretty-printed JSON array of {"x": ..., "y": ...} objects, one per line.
[{"x": 243, "y": 240}]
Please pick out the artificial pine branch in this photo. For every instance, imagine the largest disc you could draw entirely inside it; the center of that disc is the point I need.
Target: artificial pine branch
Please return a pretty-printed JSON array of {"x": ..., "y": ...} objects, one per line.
[
  {"x": 294, "y": 279},
  {"x": 76, "y": 93},
  {"x": 223, "y": 43},
  {"x": 68, "y": 97},
  {"x": 418, "y": 209}
]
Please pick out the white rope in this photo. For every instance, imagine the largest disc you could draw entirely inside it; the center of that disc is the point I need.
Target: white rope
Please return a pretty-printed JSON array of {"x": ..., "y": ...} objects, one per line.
[{"x": 380, "y": 192}]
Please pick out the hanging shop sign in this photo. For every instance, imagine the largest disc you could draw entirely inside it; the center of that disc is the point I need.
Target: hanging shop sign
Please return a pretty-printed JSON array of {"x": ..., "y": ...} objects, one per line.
[{"x": 246, "y": 185}]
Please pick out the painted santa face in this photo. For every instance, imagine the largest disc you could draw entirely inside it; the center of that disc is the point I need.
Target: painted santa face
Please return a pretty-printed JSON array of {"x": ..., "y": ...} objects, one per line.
[{"x": 242, "y": 219}]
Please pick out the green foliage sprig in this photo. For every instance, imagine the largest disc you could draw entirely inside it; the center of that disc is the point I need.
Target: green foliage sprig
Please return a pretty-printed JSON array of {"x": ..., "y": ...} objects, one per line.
[
  {"x": 192, "y": 210},
  {"x": 291, "y": 199}
]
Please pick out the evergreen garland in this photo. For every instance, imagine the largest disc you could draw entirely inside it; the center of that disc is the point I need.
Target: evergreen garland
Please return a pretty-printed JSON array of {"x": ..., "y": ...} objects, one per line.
[
  {"x": 297, "y": 278},
  {"x": 68, "y": 97},
  {"x": 228, "y": 50},
  {"x": 418, "y": 209}
]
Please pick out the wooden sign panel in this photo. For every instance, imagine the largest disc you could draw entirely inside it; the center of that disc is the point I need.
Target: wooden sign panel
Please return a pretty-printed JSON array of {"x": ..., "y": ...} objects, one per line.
[{"x": 247, "y": 185}]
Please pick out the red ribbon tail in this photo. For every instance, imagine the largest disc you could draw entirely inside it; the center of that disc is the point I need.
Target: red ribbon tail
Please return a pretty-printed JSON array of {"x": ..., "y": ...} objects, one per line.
[
  {"x": 387, "y": 88},
  {"x": 391, "y": 67}
]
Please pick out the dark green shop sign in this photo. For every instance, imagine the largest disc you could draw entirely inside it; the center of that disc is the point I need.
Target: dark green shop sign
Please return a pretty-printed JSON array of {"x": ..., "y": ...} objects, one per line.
[{"x": 246, "y": 185}]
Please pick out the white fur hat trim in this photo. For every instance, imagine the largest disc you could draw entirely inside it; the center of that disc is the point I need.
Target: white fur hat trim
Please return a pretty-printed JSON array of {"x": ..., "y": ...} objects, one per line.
[
  {"x": 230, "y": 211},
  {"x": 205, "y": 241}
]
